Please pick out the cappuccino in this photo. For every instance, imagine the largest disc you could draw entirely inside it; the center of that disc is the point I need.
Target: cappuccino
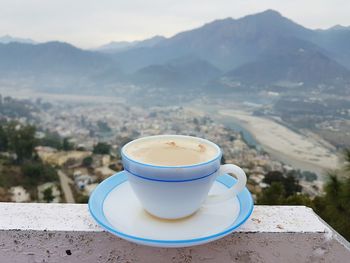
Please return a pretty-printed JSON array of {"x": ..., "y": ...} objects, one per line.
[{"x": 171, "y": 151}]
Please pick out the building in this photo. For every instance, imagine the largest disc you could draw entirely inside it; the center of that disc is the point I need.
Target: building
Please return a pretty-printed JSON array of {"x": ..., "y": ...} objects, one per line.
[
  {"x": 19, "y": 194},
  {"x": 82, "y": 180}
]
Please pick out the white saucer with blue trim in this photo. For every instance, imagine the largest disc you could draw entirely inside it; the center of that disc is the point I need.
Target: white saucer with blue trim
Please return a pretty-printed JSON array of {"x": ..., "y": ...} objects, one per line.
[{"x": 115, "y": 207}]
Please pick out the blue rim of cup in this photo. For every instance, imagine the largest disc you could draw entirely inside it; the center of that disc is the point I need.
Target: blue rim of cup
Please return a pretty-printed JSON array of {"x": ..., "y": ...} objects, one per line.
[
  {"x": 225, "y": 181},
  {"x": 171, "y": 181},
  {"x": 218, "y": 156}
]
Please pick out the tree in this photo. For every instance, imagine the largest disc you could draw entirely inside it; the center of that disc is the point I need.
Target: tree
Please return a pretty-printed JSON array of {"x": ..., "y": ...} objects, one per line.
[
  {"x": 333, "y": 206},
  {"x": 66, "y": 145},
  {"x": 87, "y": 161},
  {"x": 47, "y": 195},
  {"x": 102, "y": 148},
  {"x": 273, "y": 195},
  {"x": 37, "y": 172},
  {"x": 52, "y": 140},
  {"x": 3, "y": 139},
  {"x": 299, "y": 199},
  {"x": 21, "y": 140},
  {"x": 309, "y": 176},
  {"x": 290, "y": 184},
  {"x": 32, "y": 173},
  {"x": 347, "y": 159},
  {"x": 273, "y": 176}
]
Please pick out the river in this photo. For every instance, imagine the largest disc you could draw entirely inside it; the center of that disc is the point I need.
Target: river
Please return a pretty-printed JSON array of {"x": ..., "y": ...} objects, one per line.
[{"x": 278, "y": 154}]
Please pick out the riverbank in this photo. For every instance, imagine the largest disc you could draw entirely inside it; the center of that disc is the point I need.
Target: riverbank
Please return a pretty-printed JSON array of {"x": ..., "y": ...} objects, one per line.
[{"x": 298, "y": 150}]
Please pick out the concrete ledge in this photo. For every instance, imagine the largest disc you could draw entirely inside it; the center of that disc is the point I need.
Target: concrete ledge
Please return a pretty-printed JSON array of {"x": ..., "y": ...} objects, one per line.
[{"x": 67, "y": 233}]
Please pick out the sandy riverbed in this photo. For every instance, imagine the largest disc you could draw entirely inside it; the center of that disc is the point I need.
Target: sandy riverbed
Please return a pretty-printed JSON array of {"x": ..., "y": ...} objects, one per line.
[{"x": 278, "y": 139}]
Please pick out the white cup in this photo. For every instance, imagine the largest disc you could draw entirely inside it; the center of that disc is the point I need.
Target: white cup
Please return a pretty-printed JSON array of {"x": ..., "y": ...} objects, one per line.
[{"x": 173, "y": 192}]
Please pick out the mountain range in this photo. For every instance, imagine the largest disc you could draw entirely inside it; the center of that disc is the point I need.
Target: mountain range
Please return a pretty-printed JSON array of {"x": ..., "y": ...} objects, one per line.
[
  {"x": 118, "y": 46},
  {"x": 256, "y": 50},
  {"x": 8, "y": 39}
]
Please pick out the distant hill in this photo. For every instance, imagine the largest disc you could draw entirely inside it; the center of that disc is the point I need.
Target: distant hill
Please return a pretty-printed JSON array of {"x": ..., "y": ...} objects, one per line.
[
  {"x": 8, "y": 39},
  {"x": 52, "y": 65},
  {"x": 115, "y": 46},
  {"x": 335, "y": 42},
  {"x": 225, "y": 43},
  {"x": 182, "y": 73},
  {"x": 50, "y": 57},
  {"x": 293, "y": 61},
  {"x": 339, "y": 27}
]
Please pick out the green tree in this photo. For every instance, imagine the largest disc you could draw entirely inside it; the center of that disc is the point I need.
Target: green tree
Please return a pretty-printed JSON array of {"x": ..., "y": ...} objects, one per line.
[
  {"x": 3, "y": 138},
  {"x": 32, "y": 173},
  {"x": 299, "y": 199},
  {"x": 273, "y": 195},
  {"x": 273, "y": 176},
  {"x": 334, "y": 205},
  {"x": 347, "y": 159},
  {"x": 52, "y": 140},
  {"x": 66, "y": 145},
  {"x": 21, "y": 140},
  {"x": 87, "y": 161},
  {"x": 47, "y": 195},
  {"x": 37, "y": 172},
  {"x": 290, "y": 183},
  {"x": 309, "y": 176},
  {"x": 102, "y": 148}
]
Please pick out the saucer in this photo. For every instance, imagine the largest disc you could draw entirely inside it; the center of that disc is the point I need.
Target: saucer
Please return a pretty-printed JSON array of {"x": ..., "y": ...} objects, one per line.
[{"x": 115, "y": 207}]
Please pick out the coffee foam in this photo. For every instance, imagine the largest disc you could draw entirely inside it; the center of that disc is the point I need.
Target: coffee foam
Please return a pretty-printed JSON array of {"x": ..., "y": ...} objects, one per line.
[{"x": 171, "y": 151}]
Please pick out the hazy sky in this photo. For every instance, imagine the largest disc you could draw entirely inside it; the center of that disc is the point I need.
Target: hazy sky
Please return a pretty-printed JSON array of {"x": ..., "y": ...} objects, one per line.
[{"x": 88, "y": 23}]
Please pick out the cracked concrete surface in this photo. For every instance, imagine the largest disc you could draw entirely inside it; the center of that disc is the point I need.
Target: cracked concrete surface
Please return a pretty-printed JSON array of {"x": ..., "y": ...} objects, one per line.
[{"x": 67, "y": 233}]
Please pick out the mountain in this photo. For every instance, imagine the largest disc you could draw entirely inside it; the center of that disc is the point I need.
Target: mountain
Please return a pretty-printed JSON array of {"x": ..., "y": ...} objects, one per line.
[
  {"x": 8, "y": 39},
  {"x": 53, "y": 65},
  {"x": 50, "y": 57},
  {"x": 339, "y": 27},
  {"x": 115, "y": 47},
  {"x": 257, "y": 49},
  {"x": 226, "y": 43},
  {"x": 293, "y": 61},
  {"x": 183, "y": 73},
  {"x": 335, "y": 41}
]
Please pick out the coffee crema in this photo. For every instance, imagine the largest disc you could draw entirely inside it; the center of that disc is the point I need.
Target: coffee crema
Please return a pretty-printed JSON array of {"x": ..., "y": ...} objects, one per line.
[{"x": 171, "y": 151}]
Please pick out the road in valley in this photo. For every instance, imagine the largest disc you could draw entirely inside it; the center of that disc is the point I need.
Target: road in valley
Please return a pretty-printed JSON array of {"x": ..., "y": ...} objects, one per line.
[{"x": 67, "y": 191}]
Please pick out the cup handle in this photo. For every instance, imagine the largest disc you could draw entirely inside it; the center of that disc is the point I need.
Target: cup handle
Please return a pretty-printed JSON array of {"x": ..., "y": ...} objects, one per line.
[{"x": 234, "y": 190}]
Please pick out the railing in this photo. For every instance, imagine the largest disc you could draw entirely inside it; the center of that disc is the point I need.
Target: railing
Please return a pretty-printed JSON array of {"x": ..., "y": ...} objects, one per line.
[{"x": 66, "y": 233}]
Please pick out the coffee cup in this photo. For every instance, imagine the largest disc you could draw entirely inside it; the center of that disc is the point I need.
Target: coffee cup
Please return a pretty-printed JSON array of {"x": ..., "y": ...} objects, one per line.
[{"x": 171, "y": 175}]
